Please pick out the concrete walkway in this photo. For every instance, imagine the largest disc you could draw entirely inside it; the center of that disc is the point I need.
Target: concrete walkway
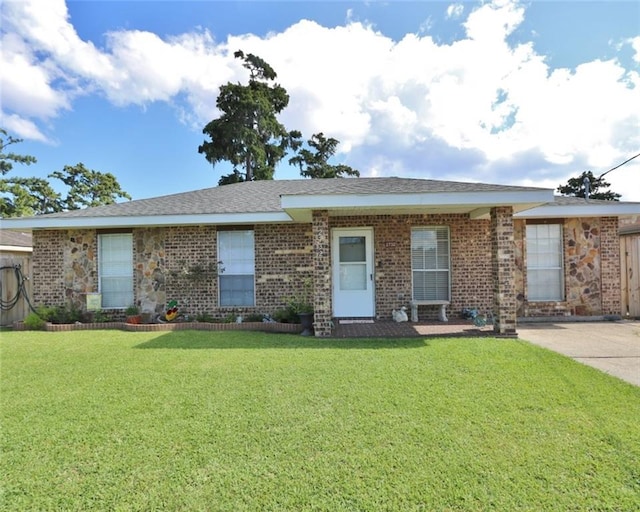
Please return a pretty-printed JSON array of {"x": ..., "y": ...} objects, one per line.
[{"x": 613, "y": 347}]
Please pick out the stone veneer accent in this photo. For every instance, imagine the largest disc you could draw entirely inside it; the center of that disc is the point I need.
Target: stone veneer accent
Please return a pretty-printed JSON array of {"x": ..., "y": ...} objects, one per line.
[
  {"x": 149, "y": 259},
  {"x": 64, "y": 267},
  {"x": 591, "y": 269},
  {"x": 503, "y": 269}
]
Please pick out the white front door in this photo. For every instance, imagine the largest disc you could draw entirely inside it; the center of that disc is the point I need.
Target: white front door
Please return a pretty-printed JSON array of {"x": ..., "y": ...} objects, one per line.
[{"x": 352, "y": 257}]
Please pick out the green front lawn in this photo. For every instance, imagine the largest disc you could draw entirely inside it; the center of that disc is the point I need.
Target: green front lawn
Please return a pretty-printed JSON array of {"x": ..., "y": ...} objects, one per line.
[{"x": 110, "y": 420}]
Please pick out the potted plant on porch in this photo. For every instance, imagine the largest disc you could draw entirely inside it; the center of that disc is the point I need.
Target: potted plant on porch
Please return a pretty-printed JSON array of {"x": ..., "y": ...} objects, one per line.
[
  {"x": 302, "y": 306},
  {"x": 133, "y": 314}
]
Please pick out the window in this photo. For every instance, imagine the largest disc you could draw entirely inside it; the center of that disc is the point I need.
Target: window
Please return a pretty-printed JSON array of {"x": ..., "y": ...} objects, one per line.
[
  {"x": 115, "y": 270},
  {"x": 236, "y": 278},
  {"x": 544, "y": 262},
  {"x": 430, "y": 263}
]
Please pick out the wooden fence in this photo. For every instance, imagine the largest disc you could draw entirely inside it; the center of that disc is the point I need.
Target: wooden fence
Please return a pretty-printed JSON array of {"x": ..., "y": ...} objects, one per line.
[
  {"x": 9, "y": 284},
  {"x": 630, "y": 274}
]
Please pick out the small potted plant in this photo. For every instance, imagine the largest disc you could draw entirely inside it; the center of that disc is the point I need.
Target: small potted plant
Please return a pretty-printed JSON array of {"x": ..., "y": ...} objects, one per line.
[
  {"x": 133, "y": 314},
  {"x": 302, "y": 306}
]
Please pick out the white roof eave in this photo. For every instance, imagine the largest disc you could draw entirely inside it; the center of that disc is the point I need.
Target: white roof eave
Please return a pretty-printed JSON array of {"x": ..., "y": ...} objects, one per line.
[
  {"x": 587, "y": 209},
  {"x": 45, "y": 222}
]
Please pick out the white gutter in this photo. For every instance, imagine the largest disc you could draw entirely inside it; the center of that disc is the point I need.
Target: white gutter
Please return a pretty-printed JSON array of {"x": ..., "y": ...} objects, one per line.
[
  {"x": 580, "y": 210},
  {"x": 15, "y": 248},
  {"x": 45, "y": 222}
]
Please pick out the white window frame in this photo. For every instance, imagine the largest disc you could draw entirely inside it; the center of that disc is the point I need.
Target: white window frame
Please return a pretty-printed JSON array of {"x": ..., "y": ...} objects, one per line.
[
  {"x": 228, "y": 267},
  {"x": 534, "y": 236},
  {"x": 120, "y": 268},
  {"x": 442, "y": 234}
]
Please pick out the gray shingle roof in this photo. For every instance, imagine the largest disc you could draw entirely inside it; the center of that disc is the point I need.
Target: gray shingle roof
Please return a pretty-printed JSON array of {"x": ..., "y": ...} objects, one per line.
[{"x": 264, "y": 196}]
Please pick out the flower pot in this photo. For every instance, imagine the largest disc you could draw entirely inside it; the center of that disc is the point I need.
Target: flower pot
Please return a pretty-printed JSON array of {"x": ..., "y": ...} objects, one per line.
[
  {"x": 306, "y": 321},
  {"x": 134, "y": 319}
]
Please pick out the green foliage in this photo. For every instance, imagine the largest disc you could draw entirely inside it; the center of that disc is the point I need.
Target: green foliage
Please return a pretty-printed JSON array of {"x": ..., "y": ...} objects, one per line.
[
  {"x": 302, "y": 302},
  {"x": 286, "y": 316},
  {"x": 315, "y": 163},
  {"x": 60, "y": 314},
  {"x": 8, "y": 159},
  {"x": 88, "y": 187},
  {"x": 100, "y": 316},
  {"x": 132, "y": 310},
  {"x": 575, "y": 188},
  {"x": 248, "y": 134},
  {"x": 206, "y": 317},
  {"x": 21, "y": 197},
  {"x": 34, "y": 322},
  {"x": 92, "y": 420}
]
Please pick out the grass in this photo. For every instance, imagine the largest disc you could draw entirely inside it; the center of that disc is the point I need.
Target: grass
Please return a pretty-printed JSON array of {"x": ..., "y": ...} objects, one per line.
[{"x": 110, "y": 420}]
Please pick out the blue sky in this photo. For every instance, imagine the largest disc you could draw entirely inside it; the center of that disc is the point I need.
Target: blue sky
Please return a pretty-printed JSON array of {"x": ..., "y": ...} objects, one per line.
[{"x": 524, "y": 93}]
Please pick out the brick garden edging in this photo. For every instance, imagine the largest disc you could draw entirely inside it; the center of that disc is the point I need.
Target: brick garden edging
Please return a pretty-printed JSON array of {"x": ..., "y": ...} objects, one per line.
[{"x": 181, "y": 326}]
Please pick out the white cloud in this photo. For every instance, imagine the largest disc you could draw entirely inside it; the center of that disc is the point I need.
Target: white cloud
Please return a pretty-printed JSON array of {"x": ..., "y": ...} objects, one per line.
[
  {"x": 455, "y": 10},
  {"x": 480, "y": 108},
  {"x": 635, "y": 44}
]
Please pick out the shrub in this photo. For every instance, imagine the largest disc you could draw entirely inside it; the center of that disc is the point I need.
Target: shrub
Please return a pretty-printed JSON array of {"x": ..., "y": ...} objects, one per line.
[
  {"x": 59, "y": 314},
  {"x": 34, "y": 322},
  {"x": 254, "y": 317},
  {"x": 285, "y": 316},
  {"x": 205, "y": 317}
]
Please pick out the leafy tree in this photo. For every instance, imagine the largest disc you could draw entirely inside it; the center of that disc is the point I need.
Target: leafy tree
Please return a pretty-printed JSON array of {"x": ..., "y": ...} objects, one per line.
[
  {"x": 88, "y": 187},
  {"x": 33, "y": 196},
  {"x": 8, "y": 159},
  {"x": 575, "y": 187},
  {"x": 315, "y": 164},
  {"x": 248, "y": 134},
  {"x": 28, "y": 196}
]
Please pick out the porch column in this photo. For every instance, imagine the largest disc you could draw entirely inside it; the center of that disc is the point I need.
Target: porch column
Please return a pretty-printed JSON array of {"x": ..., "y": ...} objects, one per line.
[
  {"x": 321, "y": 273},
  {"x": 503, "y": 269}
]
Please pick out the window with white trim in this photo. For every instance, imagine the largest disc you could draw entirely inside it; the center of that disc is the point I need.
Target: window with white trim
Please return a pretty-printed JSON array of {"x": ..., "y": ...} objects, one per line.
[
  {"x": 236, "y": 258},
  {"x": 115, "y": 269},
  {"x": 544, "y": 262},
  {"x": 430, "y": 263}
]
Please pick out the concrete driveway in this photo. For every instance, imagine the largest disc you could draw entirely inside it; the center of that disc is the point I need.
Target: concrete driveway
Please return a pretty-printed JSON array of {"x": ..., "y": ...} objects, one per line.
[{"x": 612, "y": 347}]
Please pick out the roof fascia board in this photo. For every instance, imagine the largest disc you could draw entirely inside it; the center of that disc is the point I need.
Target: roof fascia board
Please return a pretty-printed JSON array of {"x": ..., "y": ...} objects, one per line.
[
  {"x": 143, "y": 221},
  {"x": 15, "y": 248},
  {"x": 495, "y": 198},
  {"x": 580, "y": 210}
]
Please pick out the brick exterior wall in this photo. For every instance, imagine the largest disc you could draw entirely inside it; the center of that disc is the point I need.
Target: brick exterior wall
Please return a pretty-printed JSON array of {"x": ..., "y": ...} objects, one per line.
[
  {"x": 503, "y": 269},
  {"x": 65, "y": 265},
  {"x": 48, "y": 265},
  {"x": 610, "y": 266},
  {"x": 322, "y": 273},
  {"x": 470, "y": 260}
]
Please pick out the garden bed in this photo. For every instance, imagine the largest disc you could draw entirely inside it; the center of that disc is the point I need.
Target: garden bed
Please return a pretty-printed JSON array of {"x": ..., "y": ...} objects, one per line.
[{"x": 177, "y": 326}]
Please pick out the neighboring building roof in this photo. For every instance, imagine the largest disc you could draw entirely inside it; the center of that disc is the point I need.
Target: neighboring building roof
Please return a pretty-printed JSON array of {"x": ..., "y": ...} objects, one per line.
[
  {"x": 15, "y": 241},
  {"x": 294, "y": 200}
]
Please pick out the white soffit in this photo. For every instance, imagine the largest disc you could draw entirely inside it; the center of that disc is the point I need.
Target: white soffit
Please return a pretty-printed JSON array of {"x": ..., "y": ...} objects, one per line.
[
  {"x": 587, "y": 209},
  {"x": 300, "y": 206}
]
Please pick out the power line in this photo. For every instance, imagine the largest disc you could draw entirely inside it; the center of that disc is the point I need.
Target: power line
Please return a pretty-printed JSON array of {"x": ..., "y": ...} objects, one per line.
[{"x": 619, "y": 165}]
